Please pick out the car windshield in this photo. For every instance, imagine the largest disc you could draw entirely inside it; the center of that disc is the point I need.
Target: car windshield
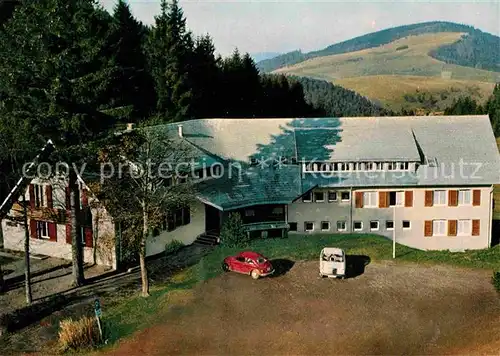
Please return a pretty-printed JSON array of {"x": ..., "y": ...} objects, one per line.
[{"x": 261, "y": 260}]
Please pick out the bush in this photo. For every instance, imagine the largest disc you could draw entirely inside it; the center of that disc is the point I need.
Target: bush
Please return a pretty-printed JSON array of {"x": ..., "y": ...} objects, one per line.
[
  {"x": 232, "y": 233},
  {"x": 173, "y": 247},
  {"x": 78, "y": 334},
  {"x": 401, "y": 48},
  {"x": 496, "y": 281}
]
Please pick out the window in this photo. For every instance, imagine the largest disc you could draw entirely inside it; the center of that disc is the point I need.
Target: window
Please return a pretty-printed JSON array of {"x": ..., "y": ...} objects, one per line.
[
  {"x": 464, "y": 227},
  {"x": 374, "y": 225},
  {"x": 389, "y": 225},
  {"x": 308, "y": 226},
  {"x": 249, "y": 212},
  {"x": 179, "y": 217},
  {"x": 391, "y": 166},
  {"x": 42, "y": 230},
  {"x": 396, "y": 198},
  {"x": 370, "y": 199},
  {"x": 406, "y": 224},
  {"x": 345, "y": 196},
  {"x": 439, "y": 227},
  {"x": 277, "y": 210},
  {"x": 40, "y": 200},
  {"x": 358, "y": 225},
  {"x": 332, "y": 195},
  {"x": 325, "y": 167},
  {"x": 319, "y": 197},
  {"x": 343, "y": 166},
  {"x": 406, "y": 166},
  {"x": 307, "y": 198},
  {"x": 439, "y": 197},
  {"x": 293, "y": 226},
  {"x": 370, "y": 166},
  {"x": 464, "y": 197},
  {"x": 341, "y": 226},
  {"x": 325, "y": 225}
]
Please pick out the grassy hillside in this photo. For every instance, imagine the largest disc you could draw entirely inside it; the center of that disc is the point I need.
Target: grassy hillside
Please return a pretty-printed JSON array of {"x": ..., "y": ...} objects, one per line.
[
  {"x": 477, "y": 49},
  {"x": 402, "y": 73},
  {"x": 416, "y": 92},
  {"x": 407, "y": 56}
]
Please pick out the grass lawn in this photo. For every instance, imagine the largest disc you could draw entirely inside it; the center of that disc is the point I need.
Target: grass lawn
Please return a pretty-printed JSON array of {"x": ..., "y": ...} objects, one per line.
[{"x": 134, "y": 313}]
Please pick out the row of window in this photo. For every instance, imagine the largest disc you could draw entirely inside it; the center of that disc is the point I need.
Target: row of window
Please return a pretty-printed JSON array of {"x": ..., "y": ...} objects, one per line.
[
  {"x": 341, "y": 226},
  {"x": 320, "y": 196},
  {"x": 464, "y": 227},
  {"x": 372, "y": 199},
  {"x": 356, "y": 166}
]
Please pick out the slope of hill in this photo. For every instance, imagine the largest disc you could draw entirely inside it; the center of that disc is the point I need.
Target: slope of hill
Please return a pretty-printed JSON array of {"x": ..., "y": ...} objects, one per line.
[
  {"x": 333, "y": 100},
  {"x": 402, "y": 73},
  {"x": 479, "y": 49}
]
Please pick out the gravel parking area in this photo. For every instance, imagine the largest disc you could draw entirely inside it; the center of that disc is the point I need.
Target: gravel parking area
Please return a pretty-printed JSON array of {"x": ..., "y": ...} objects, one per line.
[{"x": 391, "y": 308}]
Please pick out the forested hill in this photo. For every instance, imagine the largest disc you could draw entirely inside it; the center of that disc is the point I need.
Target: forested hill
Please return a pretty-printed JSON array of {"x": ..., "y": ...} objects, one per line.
[
  {"x": 335, "y": 101},
  {"x": 478, "y": 49}
]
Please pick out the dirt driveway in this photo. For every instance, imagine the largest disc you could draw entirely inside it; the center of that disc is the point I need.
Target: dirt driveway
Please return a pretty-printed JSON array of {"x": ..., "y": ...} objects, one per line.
[{"x": 389, "y": 309}]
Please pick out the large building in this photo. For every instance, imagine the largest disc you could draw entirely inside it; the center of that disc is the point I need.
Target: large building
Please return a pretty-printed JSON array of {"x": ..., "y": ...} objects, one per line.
[{"x": 425, "y": 180}]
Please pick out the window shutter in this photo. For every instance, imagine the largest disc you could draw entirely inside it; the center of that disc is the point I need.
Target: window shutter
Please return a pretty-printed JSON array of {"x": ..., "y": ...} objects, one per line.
[
  {"x": 52, "y": 231},
  {"x": 476, "y": 197},
  {"x": 453, "y": 198},
  {"x": 68, "y": 233},
  {"x": 476, "y": 227},
  {"x": 32, "y": 196},
  {"x": 85, "y": 200},
  {"x": 428, "y": 228},
  {"x": 89, "y": 237},
  {"x": 383, "y": 199},
  {"x": 48, "y": 193},
  {"x": 409, "y": 198},
  {"x": 452, "y": 228},
  {"x": 429, "y": 196},
  {"x": 33, "y": 229},
  {"x": 359, "y": 199}
]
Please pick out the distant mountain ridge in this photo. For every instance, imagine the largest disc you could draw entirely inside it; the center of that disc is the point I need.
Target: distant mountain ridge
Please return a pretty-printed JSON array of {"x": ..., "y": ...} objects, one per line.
[
  {"x": 261, "y": 56},
  {"x": 478, "y": 49}
]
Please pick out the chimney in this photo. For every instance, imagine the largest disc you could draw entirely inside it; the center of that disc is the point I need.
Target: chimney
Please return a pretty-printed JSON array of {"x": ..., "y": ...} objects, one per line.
[
  {"x": 130, "y": 126},
  {"x": 180, "y": 130}
]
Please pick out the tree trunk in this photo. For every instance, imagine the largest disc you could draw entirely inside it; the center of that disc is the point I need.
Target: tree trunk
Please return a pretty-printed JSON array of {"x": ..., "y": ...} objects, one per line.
[
  {"x": 76, "y": 243},
  {"x": 95, "y": 236},
  {"x": 27, "y": 272},
  {"x": 2, "y": 282},
  {"x": 142, "y": 253}
]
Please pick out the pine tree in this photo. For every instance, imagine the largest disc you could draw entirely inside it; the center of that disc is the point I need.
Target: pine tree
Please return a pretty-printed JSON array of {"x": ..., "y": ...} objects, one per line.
[
  {"x": 133, "y": 89},
  {"x": 169, "y": 49},
  {"x": 493, "y": 109},
  {"x": 204, "y": 79}
]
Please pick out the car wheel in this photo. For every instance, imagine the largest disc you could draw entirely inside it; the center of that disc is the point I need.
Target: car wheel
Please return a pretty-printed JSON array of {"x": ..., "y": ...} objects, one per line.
[
  {"x": 255, "y": 274},
  {"x": 225, "y": 267}
]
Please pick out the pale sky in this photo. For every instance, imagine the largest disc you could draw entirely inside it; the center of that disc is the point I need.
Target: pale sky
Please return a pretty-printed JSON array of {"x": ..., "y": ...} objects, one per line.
[{"x": 283, "y": 26}]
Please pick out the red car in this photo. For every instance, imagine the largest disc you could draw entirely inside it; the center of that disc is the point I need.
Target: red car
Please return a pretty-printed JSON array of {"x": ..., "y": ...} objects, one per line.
[{"x": 248, "y": 262}]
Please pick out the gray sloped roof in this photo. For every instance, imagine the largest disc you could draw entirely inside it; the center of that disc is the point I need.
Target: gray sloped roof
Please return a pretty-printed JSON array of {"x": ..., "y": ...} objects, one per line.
[
  {"x": 464, "y": 148},
  {"x": 252, "y": 186}
]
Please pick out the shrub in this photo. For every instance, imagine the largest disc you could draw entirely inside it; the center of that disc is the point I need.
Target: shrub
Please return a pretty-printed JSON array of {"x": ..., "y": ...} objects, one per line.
[
  {"x": 173, "y": 247},
  {"x": 233, "y": 233},
  {"x": 78, "y": 334},
  {"x": 496, "y": 280},
  {"x": 401, "y": 47}
]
